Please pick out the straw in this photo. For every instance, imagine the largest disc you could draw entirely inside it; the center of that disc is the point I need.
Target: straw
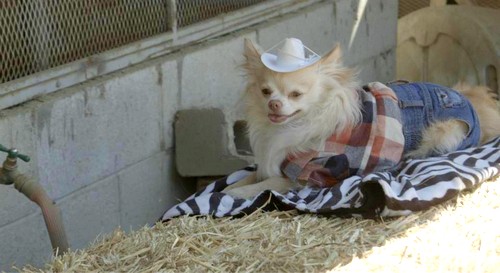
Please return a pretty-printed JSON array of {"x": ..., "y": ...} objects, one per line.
[{"x": 462, "y": 235}]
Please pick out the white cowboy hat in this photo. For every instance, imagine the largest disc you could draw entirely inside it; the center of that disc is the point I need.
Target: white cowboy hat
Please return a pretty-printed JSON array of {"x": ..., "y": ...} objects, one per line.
[{"x": 288, "y": 55}]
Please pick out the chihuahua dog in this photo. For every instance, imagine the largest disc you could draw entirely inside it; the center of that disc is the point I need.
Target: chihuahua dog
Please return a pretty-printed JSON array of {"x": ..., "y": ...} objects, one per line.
[{"x": 292, "y": 113}]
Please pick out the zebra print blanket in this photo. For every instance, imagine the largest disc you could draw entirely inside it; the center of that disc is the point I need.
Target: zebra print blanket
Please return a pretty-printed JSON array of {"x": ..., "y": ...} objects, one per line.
[{"x": 415, "y": 185}]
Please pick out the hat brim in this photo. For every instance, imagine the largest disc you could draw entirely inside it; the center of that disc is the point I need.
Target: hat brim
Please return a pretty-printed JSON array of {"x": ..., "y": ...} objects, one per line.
[{"x": 270, "y": 61}]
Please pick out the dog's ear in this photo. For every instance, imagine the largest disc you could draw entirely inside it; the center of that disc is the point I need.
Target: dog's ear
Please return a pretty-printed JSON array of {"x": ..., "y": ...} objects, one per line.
[
  {"x": 334, "y": 56},
  {"x": 331, "y": 65},
  {"x": 252, "y": 56}
]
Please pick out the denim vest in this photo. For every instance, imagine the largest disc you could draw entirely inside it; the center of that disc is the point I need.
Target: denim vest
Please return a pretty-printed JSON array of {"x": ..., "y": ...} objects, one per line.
[{"x": 422, "y": 104}]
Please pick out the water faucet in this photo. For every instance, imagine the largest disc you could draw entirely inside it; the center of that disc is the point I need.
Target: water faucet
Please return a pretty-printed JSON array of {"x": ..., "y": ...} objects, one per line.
[
  {"x": 9, "y": 169},
  {"x": 34, "y": 191}
]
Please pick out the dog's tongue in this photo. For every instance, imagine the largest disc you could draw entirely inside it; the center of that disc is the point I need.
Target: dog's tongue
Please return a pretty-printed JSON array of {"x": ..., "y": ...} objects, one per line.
[{"x": 277, "y": 118}]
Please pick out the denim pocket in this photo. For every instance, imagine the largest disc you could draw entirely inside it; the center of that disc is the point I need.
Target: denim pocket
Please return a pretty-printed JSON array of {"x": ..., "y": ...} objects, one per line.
[{"x": 449, "y": 98}]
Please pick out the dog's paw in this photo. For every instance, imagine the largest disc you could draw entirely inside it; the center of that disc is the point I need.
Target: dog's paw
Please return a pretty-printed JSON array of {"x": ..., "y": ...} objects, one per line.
[
  {"x": 277, "y": 184},
  {"x": 415, "y": 155},
  {"x": 244, "y": 192}
]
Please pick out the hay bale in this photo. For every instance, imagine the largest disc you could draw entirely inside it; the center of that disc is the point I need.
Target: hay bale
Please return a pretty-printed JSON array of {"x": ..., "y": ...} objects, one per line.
[{"x": 460, "y": 236}]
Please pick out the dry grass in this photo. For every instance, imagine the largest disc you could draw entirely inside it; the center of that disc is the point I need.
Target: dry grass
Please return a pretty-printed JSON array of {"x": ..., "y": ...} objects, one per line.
[{"x": 459, "y": 236}]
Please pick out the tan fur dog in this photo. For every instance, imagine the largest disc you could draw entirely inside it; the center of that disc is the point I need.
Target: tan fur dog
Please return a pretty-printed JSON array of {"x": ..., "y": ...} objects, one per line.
[{"x": 294, "y": 112}]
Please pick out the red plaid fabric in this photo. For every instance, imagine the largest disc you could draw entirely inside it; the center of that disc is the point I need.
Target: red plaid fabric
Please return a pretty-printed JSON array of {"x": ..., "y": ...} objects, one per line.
[{"x": 375, "y": 144}]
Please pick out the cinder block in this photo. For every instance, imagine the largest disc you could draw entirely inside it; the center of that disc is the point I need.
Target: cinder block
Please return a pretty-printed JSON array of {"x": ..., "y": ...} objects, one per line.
[
  {"x": 379, "y": 68},
  {"x": 5, "y": 131},
  {"x": 147, "y": 190},
  {"x": 168, "y": 73},
  {"x": 201, "y": 142},
  {"x": 90, "y": 212},
  {"x": 14, "y": 205},
  {"x": 22, "y": 135},
  {"x": 24, "y": 242},
  {"x": 98, "y": 130},
  {"x": 16, "y": 130},
  {"x": 212, "y": 77},
  {"x": 366, "y": 28}
]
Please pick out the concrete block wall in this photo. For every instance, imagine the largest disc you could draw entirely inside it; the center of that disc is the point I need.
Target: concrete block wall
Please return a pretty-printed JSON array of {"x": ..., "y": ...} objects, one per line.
[{"x": 104, "y": 149}]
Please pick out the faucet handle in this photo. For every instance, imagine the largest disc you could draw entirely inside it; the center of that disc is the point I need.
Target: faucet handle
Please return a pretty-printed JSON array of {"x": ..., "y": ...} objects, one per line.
[{"x": 13, "y": 153}]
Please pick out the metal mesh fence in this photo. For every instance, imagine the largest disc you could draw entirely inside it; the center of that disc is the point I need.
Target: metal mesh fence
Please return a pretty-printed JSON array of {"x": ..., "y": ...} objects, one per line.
[
  {"x": 408, "y": 6},
  {"x": 494, "y": 4},
  {"x": 40, "y": 34},
  {"x": 192, "y": 11},
  {"x": 36, "y": 35}
]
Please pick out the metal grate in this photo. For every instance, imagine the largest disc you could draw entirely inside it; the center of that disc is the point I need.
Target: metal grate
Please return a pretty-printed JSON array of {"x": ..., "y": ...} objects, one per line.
[
  {"x": 36, "y": 35},
  {"x": 39, "y": 34},
  {"x": 407, "y": 6},
  {"x": 193, "y": 11},
  {"x": 494, "y": 4}
]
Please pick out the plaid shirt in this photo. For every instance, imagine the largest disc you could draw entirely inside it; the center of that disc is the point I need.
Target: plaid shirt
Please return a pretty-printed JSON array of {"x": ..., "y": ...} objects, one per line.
[{"x": 373, "y": 145}]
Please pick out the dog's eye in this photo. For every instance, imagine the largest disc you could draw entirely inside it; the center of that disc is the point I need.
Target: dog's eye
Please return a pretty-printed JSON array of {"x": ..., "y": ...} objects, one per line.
[
  {"x": 266, "y": 91},
  {"x": 295, "y": 94}
]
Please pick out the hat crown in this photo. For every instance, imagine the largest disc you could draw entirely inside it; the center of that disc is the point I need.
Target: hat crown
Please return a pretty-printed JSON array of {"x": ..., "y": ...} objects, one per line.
[{"x": 289, "y": 55}]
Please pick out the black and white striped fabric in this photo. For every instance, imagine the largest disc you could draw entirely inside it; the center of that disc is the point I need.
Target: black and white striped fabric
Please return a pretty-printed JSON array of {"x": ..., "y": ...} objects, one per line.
[{"x": 415, "y": 185}]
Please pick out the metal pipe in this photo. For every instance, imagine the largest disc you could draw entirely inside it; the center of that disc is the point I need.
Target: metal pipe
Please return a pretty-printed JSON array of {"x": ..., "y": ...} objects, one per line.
[
  {"x": 35, "y": 192},
  {"x": 51, "y": 213}
]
